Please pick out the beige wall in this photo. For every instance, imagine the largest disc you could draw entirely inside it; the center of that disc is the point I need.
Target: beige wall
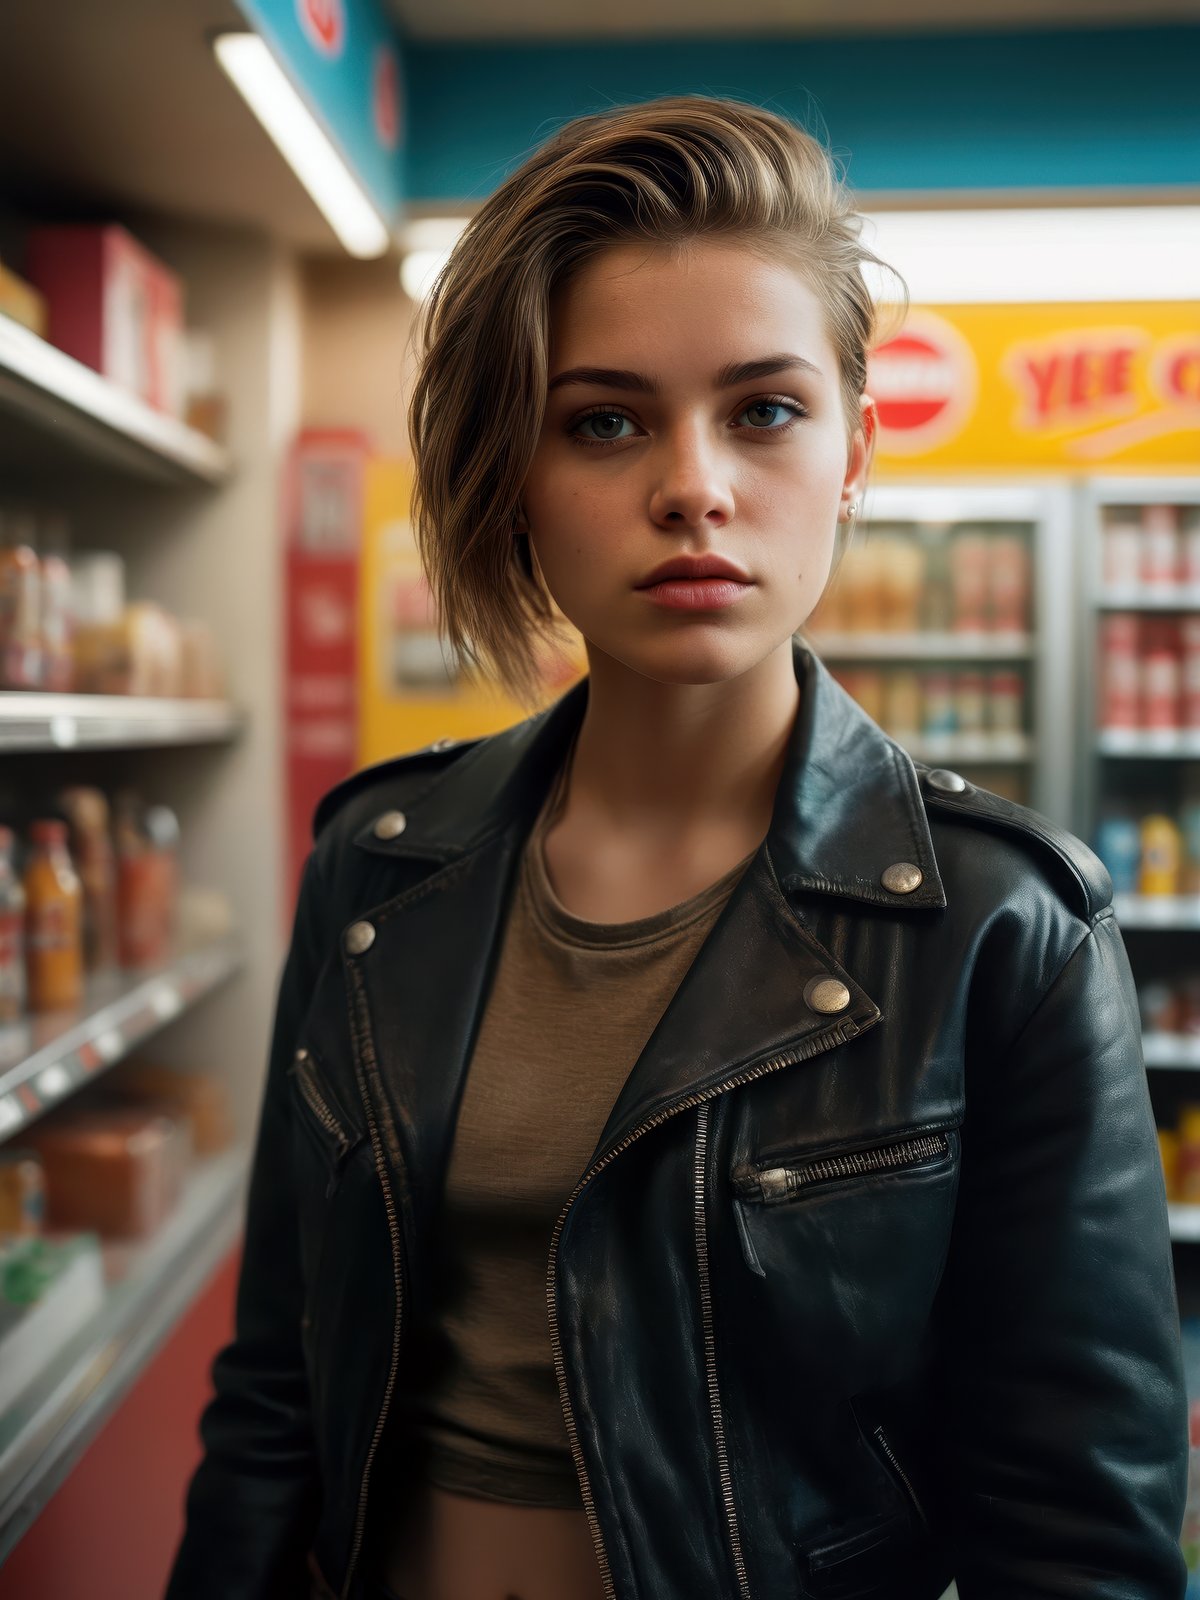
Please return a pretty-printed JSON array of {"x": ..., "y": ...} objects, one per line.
[{"x": 357, "y": 360}]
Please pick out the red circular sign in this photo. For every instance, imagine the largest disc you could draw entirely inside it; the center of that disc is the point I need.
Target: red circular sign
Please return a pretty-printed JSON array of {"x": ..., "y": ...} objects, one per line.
[
  {"x": 385, "y": 95},
  {"x": 912, "y": 382},
  {"x": 324, "y": 24},
  {"x": 923, "y": 383}
]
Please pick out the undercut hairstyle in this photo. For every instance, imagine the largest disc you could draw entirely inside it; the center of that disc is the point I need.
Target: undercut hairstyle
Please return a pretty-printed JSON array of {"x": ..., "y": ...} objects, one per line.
[{"x": 665, "y": 172}]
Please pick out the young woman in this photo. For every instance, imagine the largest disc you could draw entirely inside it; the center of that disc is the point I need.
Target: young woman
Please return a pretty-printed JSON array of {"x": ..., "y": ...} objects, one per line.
[{"x": 705, "y": 1154}]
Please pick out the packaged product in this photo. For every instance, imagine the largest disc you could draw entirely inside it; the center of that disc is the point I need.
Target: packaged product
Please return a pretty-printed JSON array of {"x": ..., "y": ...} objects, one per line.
[
  {"x": 1189, "y": 534},
  {"x": 969, "y": 580},
  {"x": 901, "y": 707},
  {"x": 938, "y": 703},
  {"x": 1159, "y": 1006},
  {"x": 1189, "y": 1005},
  {"x": 22, "y": 1192},
  {"x": 1119, "y": 846},
  {"x": 1168, "y": 1150},
  {"x": 113, "y": 306},
  {"x": 21, "y": 301},
  {"x": 53, "y": 920},
  {"x": 1188, "y": 1189},
  {"x": 200, "y": 1098},
  {"x": 1005, "y": 702},
  {"x": 1161, "y": 547},
  {"x": 1008, "y": 583},
  {"x": 147, "y": 881},
  {"x": 1161, "y": 675},
  {"x": 12, "y": 932},
  {"x": 86, "y": 810},
  {"x": 141, "y": 654},
  {"x": 1120, "y": 671},
  {"x": 200, "y": 662},
  {"x": 970, "y": 702},
  {"x": 1162, "y": 856},
  {"x": 1122, "y": 559},
  {"x": 1189, "y": 636},
  {"x": 57, "y": 618},
  {"x": 902, "y": 575},
  {"x": 869, "y": 692},
  {"x": 937, "y": 608},
  {"x": 116, "y": 1169},
  {"x": 20, "y": 607}
]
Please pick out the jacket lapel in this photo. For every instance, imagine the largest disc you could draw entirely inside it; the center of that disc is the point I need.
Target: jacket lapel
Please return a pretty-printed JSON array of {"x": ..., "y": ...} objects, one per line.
[{"x": 847, "y": 807}]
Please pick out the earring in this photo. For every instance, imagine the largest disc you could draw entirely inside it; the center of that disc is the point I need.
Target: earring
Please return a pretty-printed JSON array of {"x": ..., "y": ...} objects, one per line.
[{"x": 851, "y": 511}]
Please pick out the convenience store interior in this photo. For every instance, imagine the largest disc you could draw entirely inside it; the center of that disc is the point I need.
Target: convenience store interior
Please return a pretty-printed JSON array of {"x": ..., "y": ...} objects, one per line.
[{"x": 204, "y": 481}]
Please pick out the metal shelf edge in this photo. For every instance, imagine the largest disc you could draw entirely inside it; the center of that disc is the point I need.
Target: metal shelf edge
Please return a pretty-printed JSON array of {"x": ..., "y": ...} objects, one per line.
[
  {"x": 70, "y": 400},
  {"x": 130, "y": 1010},
  {"x": 178, "y": 1264}
]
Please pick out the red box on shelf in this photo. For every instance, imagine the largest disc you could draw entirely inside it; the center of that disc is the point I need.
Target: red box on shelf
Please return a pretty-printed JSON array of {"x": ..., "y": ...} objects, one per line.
[{"x": 112, "y": 305}]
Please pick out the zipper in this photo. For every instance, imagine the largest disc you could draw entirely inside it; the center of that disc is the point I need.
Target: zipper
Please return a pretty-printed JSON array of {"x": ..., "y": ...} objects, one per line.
[
  {"x": 782, "y": 1182},
  {"x": 900, "y": 1473},
  {"x": 303, "y": 1068},
  {"x": 839, "y": 1033},
  {"x": 710, "y": 1355},
  {"x": 362, "y": 1040}
]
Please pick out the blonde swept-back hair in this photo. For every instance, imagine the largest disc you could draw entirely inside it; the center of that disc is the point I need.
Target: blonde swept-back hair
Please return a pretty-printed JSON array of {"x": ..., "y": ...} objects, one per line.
[{"x": 665, "y": 171}]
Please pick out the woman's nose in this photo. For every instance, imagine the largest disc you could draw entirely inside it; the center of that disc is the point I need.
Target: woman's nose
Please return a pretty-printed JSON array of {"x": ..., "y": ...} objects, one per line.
[{"x": 691, "y": 482}]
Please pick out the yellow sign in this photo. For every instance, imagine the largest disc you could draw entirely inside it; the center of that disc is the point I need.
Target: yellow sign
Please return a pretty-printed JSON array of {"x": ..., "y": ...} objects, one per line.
[{"x": 1078, "y": 388}]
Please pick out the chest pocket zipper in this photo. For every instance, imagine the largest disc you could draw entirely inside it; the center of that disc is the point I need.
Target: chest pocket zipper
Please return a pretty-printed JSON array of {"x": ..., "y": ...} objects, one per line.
[
  {"x": 899, "y": 1473},
  {"x": 770, "y": 1184},
  {"x": 339, "y": 1143}
]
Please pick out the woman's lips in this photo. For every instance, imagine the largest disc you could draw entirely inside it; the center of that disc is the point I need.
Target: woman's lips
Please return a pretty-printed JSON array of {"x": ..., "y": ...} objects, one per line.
[{"x": 696, "y": 594}]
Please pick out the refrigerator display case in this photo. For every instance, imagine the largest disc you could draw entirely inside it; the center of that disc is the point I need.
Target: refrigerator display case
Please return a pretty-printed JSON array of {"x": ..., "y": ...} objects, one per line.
[
  {"x": 949, "y": 622},
  {"x": 1139, "y": 765}
]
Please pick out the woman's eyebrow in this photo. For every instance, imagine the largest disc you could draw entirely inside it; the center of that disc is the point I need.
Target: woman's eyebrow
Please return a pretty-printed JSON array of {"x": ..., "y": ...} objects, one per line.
[{"x": 735, "y": 372}]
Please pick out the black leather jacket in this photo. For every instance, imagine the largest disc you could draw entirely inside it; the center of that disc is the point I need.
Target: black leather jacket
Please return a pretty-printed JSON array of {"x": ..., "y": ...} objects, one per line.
[{"x": 868, "y": 1282}]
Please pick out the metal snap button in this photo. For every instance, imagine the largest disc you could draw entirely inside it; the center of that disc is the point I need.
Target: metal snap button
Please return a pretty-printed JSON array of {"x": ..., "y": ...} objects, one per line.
[
  {"x": 902, "y": 878},
  {"x": 826, "y": 995},
  {"x": 360, "y": 936},
  {"x": 390, "y": 825},
  {"x": 443, "y": 744},
  {"x": 945, "y": 782}
]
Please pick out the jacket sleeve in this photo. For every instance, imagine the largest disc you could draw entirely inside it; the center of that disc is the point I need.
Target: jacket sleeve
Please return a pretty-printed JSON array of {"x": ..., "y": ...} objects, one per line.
[
  {"x": 252, "y": 1500},
  {"x": 1062, "y": 1411}
]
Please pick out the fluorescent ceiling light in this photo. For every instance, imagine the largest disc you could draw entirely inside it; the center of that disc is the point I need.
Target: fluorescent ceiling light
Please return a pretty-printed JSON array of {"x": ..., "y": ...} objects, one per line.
[
  {"x": 303, "y": 143},
  {"x": 1084, "y": 253},
  {"x": 427, "y": 242}
]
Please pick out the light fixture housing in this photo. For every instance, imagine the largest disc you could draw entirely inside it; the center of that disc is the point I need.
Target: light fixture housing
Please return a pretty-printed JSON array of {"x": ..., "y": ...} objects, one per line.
[{"x": 302, "y": 141}]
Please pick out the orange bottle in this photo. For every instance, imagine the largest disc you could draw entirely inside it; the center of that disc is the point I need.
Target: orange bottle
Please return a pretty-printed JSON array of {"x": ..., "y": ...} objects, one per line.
[{"x": 53, "y": 920}]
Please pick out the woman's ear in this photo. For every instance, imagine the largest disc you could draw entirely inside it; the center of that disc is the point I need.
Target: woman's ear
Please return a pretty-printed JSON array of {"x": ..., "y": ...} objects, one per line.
[{"x": 862, "y": 451}]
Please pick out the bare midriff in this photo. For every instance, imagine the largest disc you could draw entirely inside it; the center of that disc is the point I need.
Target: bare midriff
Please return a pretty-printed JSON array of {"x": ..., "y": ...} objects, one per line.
[{"x": 458, "y": 1547}]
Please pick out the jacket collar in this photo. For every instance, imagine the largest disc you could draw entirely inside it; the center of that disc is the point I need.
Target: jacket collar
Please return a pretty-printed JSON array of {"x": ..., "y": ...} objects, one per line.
[{"x": 848, "y": 804}]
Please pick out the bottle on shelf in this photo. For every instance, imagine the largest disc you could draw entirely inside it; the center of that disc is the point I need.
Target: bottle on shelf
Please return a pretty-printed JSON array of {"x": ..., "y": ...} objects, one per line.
[
  {"x": 12, "y": 933},
  {"x": 86, "y": 810},
  {"x": 21, "y": 665},
  {"x": 1162, "y": 855},
  {"x": 53, "y": 920}
]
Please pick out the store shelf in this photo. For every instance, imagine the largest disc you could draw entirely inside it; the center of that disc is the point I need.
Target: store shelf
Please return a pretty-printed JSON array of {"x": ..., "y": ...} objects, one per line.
[
  {"x": 44, "y": 1059},
  {"x": 150, "y": 1286},
  {"x": 1178, "y": 1050},
  {"x": 88, "y": 415},
  {"x": 1177, "y": 743},
  {"x": 1181, "y": 597},
  {"x": 967, "y": 749},
  {"x": 33, "y": 721},
  {"x": 1172, "y": 911},
  {"x": 1184, "y": 1221},
  {"x": 923, "y": 646}
]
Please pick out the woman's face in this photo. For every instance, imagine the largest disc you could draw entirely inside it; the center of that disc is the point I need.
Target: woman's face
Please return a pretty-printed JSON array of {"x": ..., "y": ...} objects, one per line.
[{"x": 666, "y": 453}]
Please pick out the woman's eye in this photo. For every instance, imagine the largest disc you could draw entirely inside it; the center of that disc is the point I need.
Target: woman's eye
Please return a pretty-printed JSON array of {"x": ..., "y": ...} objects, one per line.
[
  {"x": 762, "y": 413},
  {"x": 606, "y": 423}
]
